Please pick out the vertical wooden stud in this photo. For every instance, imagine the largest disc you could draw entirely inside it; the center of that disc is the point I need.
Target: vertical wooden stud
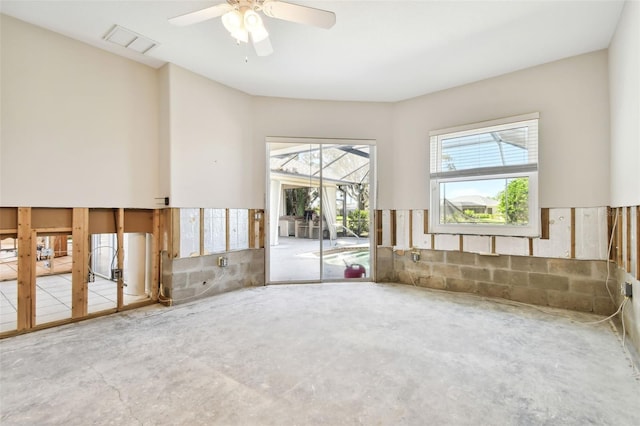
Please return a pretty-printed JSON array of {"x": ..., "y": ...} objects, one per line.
[
  {"x": 26, "y": 270},
  {"x": 80, "y": 263},
  {"x": 433, "y": 241},
  {"x": 155, "y": 254},
  {"x": 378, "y": 221},
  {"x": 530, "y": 246},
  {"x": 251, "y": 220},
  {"x": 120, "y": 257},
  {"x": 410, "y": 228},
  {"x": 610, "y": 234},
  {"x": 461, "y": 242},
  {"x": 394, "y": 228},
  {"x": 573, "y": 232},
  {"x": 493, "y": 245},
  {"x": 619, "y": 240},
  {"x": 544, "y": 223},
  {"x": 201, "y": 249},
  {"x": 425, "y": 220},
  {"x": 628, "y": 259},
  {"x": 261, "y": 230},
  {"x": 227, "y": 230},
  {"x": 175, "y": 233}
]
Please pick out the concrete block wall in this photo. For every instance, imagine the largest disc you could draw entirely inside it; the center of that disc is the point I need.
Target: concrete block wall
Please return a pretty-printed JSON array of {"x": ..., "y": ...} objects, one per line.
[
  {"x": 560, "y": 283},
  {"x": 191, "y": 278}
]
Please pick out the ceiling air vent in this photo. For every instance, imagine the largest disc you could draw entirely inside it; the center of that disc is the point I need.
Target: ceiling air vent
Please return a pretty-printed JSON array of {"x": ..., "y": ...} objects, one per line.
[{"x": 130, "y": 40}]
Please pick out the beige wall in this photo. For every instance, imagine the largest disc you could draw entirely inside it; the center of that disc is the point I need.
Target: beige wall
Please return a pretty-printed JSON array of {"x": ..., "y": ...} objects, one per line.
[
  {"x": 213, "y": 160},
  {"x": 79, "y": 125},
  {"x": 624, "y": 81},
  {"x": 571, "y": 96}
]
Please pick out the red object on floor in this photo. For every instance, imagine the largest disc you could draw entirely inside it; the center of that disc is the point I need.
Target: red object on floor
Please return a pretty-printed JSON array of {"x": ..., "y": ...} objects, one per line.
[{"x": 354, "y": 271}]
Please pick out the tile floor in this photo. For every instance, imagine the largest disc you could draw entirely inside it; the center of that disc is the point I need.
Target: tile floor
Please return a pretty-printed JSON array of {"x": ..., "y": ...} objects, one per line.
[{"x": 53, "y": 299}]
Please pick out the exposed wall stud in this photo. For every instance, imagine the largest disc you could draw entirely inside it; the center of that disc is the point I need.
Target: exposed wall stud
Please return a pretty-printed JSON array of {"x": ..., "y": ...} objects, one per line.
[
  {"x": 155, "y": 254},
  {"x": 530, "y": 246},
  {"x": 493, "y": 245},
  {"x": 80, "y": 262},
  {"x": 461, "y": 238},
  {"x": 425, "y": 220},
  {"x": 544, "y": 223},
  {"x": 410, "y": 228},
  {"x": 394, "y": 228},
  {"x": 26, "y": 270},
  {"x": 227, "y": 233},
  {"x": 638, "y": 242},
  {"x": 619, "y": 240},
  {"x": 628, "y": 259},
  {"x": 573, "y": 233},
  {"x": 378, "y": 223},
  {"x": 120, "y": 257},
  {"x": 201, "y": 249}
]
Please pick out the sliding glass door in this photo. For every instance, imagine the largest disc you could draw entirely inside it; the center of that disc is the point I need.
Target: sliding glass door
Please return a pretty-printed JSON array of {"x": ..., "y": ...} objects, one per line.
[{"x": 319, "y": 211}]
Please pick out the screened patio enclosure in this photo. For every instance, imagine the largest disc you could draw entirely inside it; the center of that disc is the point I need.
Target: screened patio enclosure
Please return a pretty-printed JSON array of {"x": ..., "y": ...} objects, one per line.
[{"x": 319, "y": 201}]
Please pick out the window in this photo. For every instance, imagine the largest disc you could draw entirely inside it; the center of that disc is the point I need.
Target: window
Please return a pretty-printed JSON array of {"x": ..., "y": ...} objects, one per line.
[{"x": 484, "y": 178}]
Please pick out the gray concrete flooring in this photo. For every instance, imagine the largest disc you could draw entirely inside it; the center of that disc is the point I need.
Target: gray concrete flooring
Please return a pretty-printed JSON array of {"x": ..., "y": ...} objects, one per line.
[{"x": 329, "y": 354}]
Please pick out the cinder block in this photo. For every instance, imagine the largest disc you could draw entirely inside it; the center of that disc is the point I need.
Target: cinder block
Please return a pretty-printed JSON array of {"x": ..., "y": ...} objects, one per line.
[
  {"x": 487, "y": 261},
  {"x": 548, "y": 282},
  {"x": 599, "y": 269},
  {"x": 494, "y": 290},
  {"x": 516, "y": 278},
  {"x": 475, "y": 274},
  {"x": 529, "y": 264},
  {"x": 443, "y": 270},
  {"x": 407, "y": 277},
  {"x": 187, "y": 264},
  {"x": 534, "y": 296},
  {"x": 568, "y": 300},
  {"x": 465, "y": 286},
  {"x": 588, "y": 286},
  {"x": 461, "y": 258},
  {"x": 179, "y": 280},
  {"x": 432, "y": 256},
  {"x": 432, "y": 282},
  {"x": 570, "y": 267},
  {"x": 603, "y": 306}
]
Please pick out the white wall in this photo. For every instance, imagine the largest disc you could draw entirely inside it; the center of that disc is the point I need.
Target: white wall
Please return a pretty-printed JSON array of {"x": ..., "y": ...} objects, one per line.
[
  {"x": 572, "y": 98},
  {"x": 325, "y": 119},
  {"x": 624, "y": 81},
  {"x": 79, "y": 125},
  {"x": 213, "y": 160}
]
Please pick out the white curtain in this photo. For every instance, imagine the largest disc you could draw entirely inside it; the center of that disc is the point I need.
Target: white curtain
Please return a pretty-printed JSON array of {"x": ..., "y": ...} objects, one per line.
[
  {"x": 329, "y": 209},
  {"x": 275, "y": 197}
]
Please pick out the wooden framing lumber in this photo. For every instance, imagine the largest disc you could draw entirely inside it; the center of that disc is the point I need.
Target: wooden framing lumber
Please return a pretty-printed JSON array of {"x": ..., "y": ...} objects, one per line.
[
  {"x": 201, "y": 243},
  {"x": 410, "y": 228},
  {"x": 227, "y": 233},
  {"x": 638, "y": 242},
  {"x": 493, "y": 245},
  {"x": 26, "y": 270},
  {"x": 544, "y": 223},
  {"x": 628, "y": 259},
  {"x": 120, "y": 256},
  {"x": 619, "y": 241},
  {"x": 461, "y": 242},
  {"x": 378, "y": 224},
  {"x": 425, "y": 222},
  {"x": 530, "y": 246},
  {"x": 80, "y": 265},
  {"x": 573, "y": 233},
  {"x": 261, "y": 230},
  {"x": 155, "y": 255},
  {"x": 394, "y": 228}
]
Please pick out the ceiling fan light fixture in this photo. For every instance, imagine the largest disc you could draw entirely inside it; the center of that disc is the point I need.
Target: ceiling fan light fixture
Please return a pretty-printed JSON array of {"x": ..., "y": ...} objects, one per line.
[
  {"x": 252, "y": 20},
  {"x": 259, "y": 34},
  {"x": 232, "y": 21}
]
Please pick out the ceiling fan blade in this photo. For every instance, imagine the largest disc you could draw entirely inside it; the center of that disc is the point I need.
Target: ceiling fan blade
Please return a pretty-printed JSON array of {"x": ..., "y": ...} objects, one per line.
[
  {"x": 262, "y": 47},
  {"x": 201, "y": 15},
  {"x": 300, "y": 14}
]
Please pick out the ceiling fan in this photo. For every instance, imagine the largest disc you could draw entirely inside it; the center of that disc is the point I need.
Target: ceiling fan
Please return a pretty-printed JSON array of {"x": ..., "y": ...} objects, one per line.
[{"x": 241, "y": 19}]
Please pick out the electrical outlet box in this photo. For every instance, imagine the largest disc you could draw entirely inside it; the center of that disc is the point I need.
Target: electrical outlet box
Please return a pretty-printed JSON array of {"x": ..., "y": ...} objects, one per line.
[
  {"x": 626, "y": 289},
  {"x": 415, "y": 256},
  {"x": 92, "y": 277},
  {"x": 116, "y": 274},
  {"x": 223, "y": 261}
]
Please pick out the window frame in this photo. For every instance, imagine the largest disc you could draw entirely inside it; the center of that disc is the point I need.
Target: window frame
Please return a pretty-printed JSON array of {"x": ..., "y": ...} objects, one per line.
[{"x": 529, "y": 170}]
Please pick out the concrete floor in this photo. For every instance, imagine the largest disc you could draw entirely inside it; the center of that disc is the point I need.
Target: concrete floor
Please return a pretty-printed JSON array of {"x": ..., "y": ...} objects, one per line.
[{"x": 356, "y": 353}]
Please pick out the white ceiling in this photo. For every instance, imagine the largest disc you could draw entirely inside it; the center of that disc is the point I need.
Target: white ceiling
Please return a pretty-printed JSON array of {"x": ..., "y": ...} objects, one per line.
[{"x": 377, "y": 51}]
